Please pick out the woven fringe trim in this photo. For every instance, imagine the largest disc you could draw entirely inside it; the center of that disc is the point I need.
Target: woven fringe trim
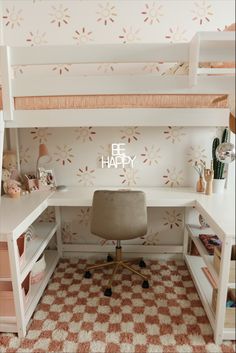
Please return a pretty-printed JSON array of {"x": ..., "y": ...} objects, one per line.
[{"x": 118, "y": 101}]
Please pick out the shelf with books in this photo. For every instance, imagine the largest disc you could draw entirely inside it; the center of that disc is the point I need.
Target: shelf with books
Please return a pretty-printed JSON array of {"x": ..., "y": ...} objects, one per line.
[{"x": 194, "y": 232}]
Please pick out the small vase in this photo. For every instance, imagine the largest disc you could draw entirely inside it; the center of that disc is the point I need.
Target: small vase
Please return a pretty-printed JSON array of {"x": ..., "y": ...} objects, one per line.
[
  {"x": 218, "y": 186},
  {"x": 200, "y": 187}
]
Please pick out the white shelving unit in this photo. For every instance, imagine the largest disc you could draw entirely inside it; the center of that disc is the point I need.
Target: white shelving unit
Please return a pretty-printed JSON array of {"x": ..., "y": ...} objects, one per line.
[
  {"x": 43, "y": 233},
  {"x": 196, "y": 264}
]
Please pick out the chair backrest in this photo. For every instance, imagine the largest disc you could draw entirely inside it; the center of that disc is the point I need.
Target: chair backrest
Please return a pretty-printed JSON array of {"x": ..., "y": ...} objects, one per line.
[{"x": 119, "y": 214}]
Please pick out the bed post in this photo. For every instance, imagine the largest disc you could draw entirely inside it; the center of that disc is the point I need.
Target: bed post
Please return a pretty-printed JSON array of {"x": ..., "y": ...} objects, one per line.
[
  {"x": 1, "y": 146},
  {"x": 7, "y": 97},
  {"x": 230, "y": 180}
]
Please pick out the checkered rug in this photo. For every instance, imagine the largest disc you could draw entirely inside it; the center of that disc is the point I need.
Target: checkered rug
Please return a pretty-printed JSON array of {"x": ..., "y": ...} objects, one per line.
[{"x": 74, "y": 316}]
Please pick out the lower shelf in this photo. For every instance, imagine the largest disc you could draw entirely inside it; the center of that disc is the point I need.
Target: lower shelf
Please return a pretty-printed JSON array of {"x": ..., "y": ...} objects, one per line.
[
  {"x": 195, "y": 264},
  {"x": 37, "y": 289},
  {"x": 8, "y": 324}
]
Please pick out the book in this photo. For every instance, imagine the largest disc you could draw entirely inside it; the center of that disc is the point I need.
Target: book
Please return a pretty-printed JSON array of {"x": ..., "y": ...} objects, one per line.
[
  {"x": 210, "y": 241},
  {"x": 208, "y": 275}
]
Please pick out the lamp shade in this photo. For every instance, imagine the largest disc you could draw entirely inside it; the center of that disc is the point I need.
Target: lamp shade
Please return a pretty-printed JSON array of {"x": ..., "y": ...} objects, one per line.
[{"x": 43, "y": 150}]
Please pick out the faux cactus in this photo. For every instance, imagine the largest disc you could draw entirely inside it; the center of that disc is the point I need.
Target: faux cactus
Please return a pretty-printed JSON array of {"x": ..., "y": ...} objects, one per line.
[{"x": 218, "y": 167}]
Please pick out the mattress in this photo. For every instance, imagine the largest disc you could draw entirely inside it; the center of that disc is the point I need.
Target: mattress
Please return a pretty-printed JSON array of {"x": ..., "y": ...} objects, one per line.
[{"x": 118, "y": 101}]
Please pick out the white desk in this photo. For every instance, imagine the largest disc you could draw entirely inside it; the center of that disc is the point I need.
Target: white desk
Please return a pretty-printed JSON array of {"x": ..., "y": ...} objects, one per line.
[
  {"x": 155, "y": 197},
  {"x": 17, "y": 214},
  {"x": 218, "y": 210}
]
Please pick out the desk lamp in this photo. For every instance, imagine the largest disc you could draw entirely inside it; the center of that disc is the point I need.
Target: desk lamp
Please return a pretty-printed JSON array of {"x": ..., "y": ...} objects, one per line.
[{"x": 43, "y": 152}]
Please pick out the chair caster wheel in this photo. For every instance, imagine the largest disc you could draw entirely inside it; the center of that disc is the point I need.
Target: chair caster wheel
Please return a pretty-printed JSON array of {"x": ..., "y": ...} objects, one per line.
[
  {"x": 109, "y": 258},
  {"x": 145, "y": 284},
  {"x": 87, "y": 274},
  {"x": 142, "y": 264},
  {"x": 108, "y": 292}
]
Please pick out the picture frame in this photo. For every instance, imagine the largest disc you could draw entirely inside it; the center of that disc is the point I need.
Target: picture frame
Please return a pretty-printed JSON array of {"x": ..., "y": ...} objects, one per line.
[{"x": 47, "y": 178}]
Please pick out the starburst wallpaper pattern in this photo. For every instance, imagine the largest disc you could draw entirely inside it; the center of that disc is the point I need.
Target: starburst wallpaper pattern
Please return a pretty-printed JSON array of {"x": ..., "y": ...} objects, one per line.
[{"x": 164, "y": 156}]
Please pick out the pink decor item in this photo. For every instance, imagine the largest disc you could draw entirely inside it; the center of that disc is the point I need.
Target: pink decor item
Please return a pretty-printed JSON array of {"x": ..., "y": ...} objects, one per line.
[
  {"x": 5, "y": 271},
  {"x": 7, "y": 307}
]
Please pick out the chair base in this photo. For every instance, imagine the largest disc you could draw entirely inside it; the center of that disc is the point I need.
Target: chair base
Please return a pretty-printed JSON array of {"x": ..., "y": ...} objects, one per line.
[{"x": 118, "y": 262}]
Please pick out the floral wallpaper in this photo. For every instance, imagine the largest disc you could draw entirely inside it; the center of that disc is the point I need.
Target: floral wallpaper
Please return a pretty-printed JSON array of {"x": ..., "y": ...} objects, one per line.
[{"x": 164, "y": 156}]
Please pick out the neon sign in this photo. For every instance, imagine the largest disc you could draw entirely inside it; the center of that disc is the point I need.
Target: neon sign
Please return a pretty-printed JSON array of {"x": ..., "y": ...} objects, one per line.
[{"x": 118, "y": 157}]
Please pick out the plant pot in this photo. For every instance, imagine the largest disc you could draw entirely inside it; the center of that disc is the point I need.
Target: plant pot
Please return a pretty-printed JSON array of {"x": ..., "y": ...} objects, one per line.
[
  {"x": 218, "y": 186},
  {"x": 200, "y": 187}
]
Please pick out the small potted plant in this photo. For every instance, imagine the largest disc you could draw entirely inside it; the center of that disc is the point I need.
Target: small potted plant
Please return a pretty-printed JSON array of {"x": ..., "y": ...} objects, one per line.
[{"x": 218, "y": 167}]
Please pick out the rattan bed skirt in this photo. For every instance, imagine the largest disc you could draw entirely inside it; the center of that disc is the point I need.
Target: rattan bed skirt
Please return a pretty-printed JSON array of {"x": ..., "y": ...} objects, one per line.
[{"x": 118, "y": 101}]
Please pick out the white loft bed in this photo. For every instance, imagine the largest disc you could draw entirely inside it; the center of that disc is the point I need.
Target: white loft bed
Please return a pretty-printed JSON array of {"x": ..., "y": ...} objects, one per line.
[
  {"x": 19, "y": 93},
  {"x": 22, "y": 96},
  {"x": 205, "y": 47}
]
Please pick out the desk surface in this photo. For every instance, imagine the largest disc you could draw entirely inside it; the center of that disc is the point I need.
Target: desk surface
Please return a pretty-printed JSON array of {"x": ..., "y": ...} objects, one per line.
[
  {"x": 155, "y": 197},
  {"x": 17, "y": 214},
  {"x": 219, "y": 210}
]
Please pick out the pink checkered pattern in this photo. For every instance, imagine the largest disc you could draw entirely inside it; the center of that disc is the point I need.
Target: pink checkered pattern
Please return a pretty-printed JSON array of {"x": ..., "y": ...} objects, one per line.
[{"x": 74, "y": 316}]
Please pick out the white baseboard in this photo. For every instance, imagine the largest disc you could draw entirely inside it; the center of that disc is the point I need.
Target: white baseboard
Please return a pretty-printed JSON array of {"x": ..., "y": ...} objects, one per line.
[
  {"x": 153, "y": 252},
  {"x": 102, "y": 256},
  {"x": 127, "y": 248}
]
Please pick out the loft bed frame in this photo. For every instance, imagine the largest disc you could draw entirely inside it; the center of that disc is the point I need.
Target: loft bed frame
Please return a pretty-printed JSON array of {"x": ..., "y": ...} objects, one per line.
[
  {"x": 24, "y": 102},
  {"x": 124, "y": 99},
  {"x": 118, "y": 100}
]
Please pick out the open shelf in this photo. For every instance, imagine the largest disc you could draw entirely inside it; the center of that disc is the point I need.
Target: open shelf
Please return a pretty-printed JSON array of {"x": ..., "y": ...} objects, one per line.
[
  {"x": 8, "y": 323},
  {"x": 195, "y": 264},
  {"x": 37, "y": 289},
  {"x": 43, "y": 233},
  {"x": 194, "y": 231}
]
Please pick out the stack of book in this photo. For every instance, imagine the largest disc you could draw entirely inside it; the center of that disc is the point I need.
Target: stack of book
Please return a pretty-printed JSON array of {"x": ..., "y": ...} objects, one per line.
[{"x": 210, "y": 242}]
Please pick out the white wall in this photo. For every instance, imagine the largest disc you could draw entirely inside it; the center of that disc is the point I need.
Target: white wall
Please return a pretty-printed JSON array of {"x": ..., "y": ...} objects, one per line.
[{"x": 164, "y": 155}]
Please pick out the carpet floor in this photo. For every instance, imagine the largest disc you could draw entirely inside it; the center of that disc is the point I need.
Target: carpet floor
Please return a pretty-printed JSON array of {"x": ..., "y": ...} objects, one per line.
[{"x": 74, "y": 316}]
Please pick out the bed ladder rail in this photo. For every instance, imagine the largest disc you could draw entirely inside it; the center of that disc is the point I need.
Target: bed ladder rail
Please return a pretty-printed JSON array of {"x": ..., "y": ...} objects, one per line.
[
  {"x": 1, "y": 146},
  {"x": 211, "y": 47},
  {"x": 7, "y": 96}
]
